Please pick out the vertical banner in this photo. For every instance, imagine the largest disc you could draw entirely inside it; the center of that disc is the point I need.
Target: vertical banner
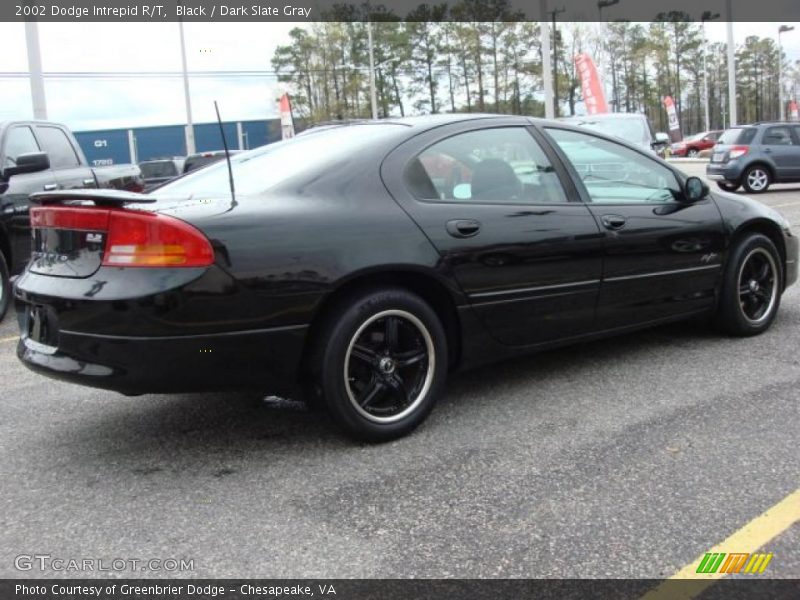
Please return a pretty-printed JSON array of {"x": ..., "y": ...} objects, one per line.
[
  {"x": 287, "y": 123},
  {"x": 593, "y": 96},
  {"x": 793, "y": 110},
  {"x": 672, "y": 116}
]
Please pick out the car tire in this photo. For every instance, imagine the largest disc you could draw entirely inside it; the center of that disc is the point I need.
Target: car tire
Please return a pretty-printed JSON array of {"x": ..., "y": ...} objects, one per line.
[
  {"x": 751, "y": 287},
  {"x": 692, "y": 153},
  {"x": 5, "y": 286},
  {"x": 756, "y": 179},
  {"x": 728, "y": 186},
  {"x": 380, "y": 363}
]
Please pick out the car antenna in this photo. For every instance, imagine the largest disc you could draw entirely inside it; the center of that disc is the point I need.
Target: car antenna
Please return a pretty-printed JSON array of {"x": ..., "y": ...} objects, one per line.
[{"x": 227, "y": 154}]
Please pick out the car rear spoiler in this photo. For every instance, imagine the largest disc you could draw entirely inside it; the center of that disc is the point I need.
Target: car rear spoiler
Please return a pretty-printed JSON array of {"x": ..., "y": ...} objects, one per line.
[{"x": 99, "y": 197}]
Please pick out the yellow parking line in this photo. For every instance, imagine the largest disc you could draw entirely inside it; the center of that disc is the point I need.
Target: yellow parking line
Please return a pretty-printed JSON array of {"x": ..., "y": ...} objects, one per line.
[
  {"x": 754, "y": 535},
  {"x": 9, "y": 339}
]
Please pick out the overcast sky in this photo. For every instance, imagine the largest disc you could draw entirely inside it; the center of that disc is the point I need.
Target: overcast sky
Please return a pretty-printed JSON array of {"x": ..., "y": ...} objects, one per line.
[{"x": 127, "y": 102}]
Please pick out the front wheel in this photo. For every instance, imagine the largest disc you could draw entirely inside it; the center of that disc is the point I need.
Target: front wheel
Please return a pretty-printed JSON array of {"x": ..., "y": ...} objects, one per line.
[
  {"x": 381, "y": 363},
  {"x": 756, "y": 179},
  {"x": 5, "y": 286},
  {"x": 751, "y": 289}
]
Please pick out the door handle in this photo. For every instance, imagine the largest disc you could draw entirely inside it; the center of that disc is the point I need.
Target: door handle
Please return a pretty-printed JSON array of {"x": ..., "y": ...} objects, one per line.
[
  {"x": 463, "y": 228},
  {"x": 767, "y": 151},
  {"x": 613, "y": 222},
  {"x": 49, "y": 187}
]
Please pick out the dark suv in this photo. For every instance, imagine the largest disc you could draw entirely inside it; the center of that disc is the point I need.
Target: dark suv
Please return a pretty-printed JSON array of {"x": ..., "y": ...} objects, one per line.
[{"x": 755, "y": 156}]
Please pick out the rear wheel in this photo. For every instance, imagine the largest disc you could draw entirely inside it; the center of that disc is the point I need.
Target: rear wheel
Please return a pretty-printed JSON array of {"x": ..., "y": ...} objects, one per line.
[
  {"x": 728, "y": 186},
  {"x": 380, "y": 363},
  {"x": 692, "y": 153},
  {"x": 751, "y": 290},
  {"x": 5, "y": 286},
  {"x": 756, "y": 179}
]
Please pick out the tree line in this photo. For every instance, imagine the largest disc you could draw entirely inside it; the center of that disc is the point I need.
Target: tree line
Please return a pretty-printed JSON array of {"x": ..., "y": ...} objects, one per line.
[{"x": 481, "y": 64}]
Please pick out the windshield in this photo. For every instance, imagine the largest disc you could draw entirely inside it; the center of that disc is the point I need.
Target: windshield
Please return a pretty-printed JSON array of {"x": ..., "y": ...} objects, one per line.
[
  {"x": 632, "y": 130},
  {"x": 737, "y": 135},
  {"x": 265, "y": 167}
]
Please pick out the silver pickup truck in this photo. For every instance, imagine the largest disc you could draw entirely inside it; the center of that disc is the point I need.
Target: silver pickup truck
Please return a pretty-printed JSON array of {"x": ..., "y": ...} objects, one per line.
[{"x": 40, "y": 156}]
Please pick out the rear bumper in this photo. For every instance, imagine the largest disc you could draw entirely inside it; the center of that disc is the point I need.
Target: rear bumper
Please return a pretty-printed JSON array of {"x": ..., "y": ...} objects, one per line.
[
  {"x": 258, "y": 360},
  {"x": 159, "y": 331},
  {"x": 730, "y": 171}
]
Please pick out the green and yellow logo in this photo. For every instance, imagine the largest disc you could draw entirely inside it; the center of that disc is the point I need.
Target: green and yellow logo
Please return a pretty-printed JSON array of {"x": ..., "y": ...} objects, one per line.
[{"x": 734, "y": 562}]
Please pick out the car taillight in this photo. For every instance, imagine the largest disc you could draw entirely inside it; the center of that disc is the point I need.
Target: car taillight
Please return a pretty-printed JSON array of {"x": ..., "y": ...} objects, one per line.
[
  {"x": 133, "y": 238},
  {"x": 142, "y": 239},
  {"x": 738, "y": 151}
]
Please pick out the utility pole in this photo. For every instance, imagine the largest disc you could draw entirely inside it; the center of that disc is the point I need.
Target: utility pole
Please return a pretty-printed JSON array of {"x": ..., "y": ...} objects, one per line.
[
  {"x": 706, "y": 16},
  {"x": 781, "y": 29},
  {"x": 732, "y": 113},
  {"x": 35, "y": 68},
  {"x": 547, "y": 74},
  {"x": 189, "y": 131},
  {"x": 553, "y": 14},
  {"x": 373, "y": 98}
]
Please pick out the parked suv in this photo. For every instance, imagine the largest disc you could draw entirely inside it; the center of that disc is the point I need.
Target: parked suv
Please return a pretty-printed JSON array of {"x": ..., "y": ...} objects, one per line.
[{"x": 756, "y": 156}]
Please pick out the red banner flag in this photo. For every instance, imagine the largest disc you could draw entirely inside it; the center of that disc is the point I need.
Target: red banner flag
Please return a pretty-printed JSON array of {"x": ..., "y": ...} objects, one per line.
[
  {"x": 793, "y": 110},
  {"x": 593, "y": 97},
  {"x": 287, "y": 122},
  {"x": 672, "y": 117}
]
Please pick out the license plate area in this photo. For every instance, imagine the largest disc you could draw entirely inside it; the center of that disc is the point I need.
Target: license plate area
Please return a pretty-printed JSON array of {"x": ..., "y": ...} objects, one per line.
[{"x": 717, "y": 157}]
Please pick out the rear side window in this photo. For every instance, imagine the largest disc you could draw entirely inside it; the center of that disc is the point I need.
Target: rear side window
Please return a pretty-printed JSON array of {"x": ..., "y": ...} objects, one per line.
[
  {"x": 737, "y": 135},
  {"x": 777, "y": 136},
  {"x": 58, "y": 147},
  {"x": 503, "y": 165},
  {"x": 19, "y": 140}
]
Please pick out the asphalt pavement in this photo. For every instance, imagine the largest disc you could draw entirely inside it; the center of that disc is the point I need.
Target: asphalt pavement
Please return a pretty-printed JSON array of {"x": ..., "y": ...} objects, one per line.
[{"x": 621, "y": 458}]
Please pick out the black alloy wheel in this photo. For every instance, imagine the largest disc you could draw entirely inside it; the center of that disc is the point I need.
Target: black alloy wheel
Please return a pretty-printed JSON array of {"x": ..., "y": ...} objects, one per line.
[
  {"x": 752, "y": 287},
  {"x": 380, "y": 363}
]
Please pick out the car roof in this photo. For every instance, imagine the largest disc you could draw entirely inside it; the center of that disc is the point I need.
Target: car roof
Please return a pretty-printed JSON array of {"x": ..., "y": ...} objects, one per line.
[{"x": 597, "y": 116}]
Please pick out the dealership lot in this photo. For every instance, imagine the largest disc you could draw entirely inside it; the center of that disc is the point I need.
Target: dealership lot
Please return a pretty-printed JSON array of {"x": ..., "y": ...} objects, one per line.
[{"x": 621, "y": 458}]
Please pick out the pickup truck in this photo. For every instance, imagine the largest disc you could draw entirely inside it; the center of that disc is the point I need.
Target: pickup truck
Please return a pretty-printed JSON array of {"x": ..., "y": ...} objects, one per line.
[{"x": 40, "y": 156}]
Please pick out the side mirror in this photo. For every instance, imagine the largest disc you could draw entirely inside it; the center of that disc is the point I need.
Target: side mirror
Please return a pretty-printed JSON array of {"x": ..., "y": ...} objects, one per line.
[
  {"x": 33, "y": 162},
  {"x": 694, "y": 189},
  {"x": 662, "y": 139}
]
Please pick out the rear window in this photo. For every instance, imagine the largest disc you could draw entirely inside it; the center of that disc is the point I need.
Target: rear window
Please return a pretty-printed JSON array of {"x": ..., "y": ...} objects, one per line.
[
  {"x": 263, "y": 168},
  {"x": 737, "y": 135},
  {"x": 161, "y": 168},
  {"x": 195, "y": 162}
]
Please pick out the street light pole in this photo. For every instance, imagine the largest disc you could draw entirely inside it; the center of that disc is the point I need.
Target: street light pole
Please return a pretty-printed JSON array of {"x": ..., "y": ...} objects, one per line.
[
  {"x": 706, "y": 16},
  {"x": 547, "y": 73},
  {"x": 732, "y": 112},
  {"x": 553, "y": 13},
  {"x": 601, "y": 4},
  {"x": 781, "y": 29},
  {"x": 35, "y": 69},
  {"x": 189, "y": 131}
]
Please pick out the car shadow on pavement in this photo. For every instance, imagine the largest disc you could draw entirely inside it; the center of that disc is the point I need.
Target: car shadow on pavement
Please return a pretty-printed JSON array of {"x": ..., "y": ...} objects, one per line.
[{"x": 149, "y": 434}]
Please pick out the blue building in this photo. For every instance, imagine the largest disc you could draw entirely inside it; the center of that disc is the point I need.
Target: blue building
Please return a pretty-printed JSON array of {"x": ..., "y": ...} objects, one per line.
[{"x": 114, "y": 146}]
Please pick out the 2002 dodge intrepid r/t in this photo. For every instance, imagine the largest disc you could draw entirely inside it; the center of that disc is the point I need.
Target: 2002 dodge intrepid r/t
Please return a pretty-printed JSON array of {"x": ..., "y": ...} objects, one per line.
[{"x": 360, "y": 263}]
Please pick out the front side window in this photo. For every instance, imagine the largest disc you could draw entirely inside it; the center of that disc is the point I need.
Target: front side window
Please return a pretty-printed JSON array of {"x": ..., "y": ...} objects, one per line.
[
  {"x": 615, "y": 174},
  {"x": 58, "y": 147},
  {"x": 19, "y": 140},
  {"x": 502, "y": 165}
]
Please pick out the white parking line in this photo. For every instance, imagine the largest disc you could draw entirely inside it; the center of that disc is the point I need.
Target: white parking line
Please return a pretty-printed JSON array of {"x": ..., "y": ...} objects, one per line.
[{"x": 9, "y": 339}]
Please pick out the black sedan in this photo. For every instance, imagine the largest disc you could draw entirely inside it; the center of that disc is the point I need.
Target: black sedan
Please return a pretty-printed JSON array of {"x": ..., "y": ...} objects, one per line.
[{"x": 359, "y": 264}]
